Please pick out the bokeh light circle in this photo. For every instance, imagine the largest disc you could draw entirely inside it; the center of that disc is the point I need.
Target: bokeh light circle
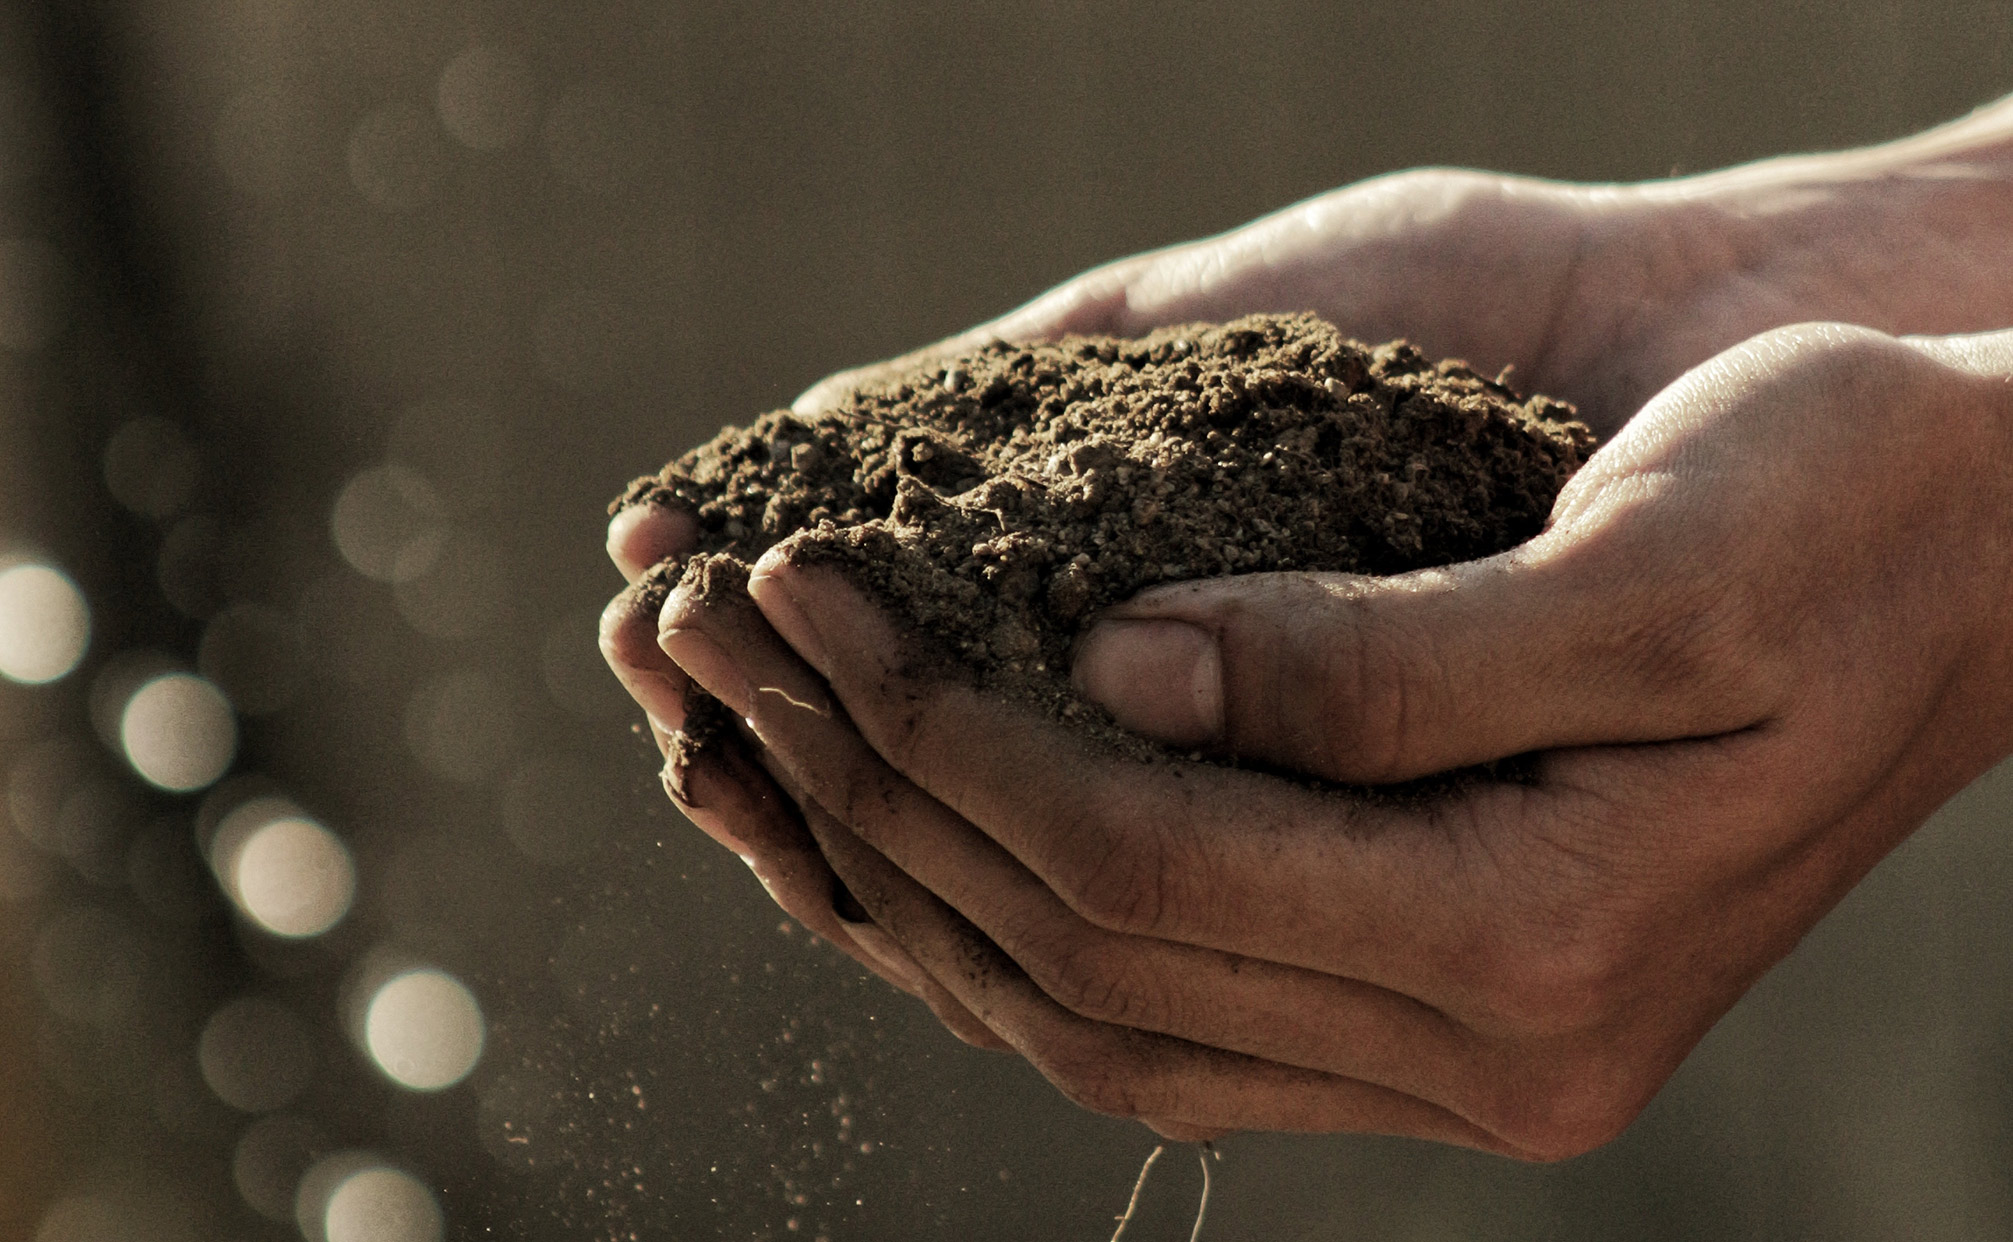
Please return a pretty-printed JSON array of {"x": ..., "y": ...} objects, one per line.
[
  {"x": 82, "y": 1218},
  {"x": 486, "y": 97},
  {"x": 387, "y": 524},
  {"x": 269, "y": 1159},
  {"x": 382, "y": 1205},
  {"x": 178, "y": 732},
  {"x": 293, "y": 877},
  {"x": 45, "y": 625},
  {"x": 424, "y": 1029},
  {"x": 151, "y": 468},
  {"x": 256, "y": 1054},
  {"x": 395, "y": 158}
]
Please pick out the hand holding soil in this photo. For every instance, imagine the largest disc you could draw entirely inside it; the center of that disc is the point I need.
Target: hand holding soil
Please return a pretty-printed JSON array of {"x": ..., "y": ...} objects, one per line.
[{"x": 1763, "y": 637}]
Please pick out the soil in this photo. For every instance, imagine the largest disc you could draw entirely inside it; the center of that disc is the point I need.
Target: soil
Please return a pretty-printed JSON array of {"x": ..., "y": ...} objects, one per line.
[{"x": 999, "y": 500}]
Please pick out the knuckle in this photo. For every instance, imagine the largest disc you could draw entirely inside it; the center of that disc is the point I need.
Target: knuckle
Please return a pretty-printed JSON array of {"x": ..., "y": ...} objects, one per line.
[
  {"x": 1578, "y": 1104},
  {"x": 1446, "y": 187},
  {"x": 1835, "y": 357},
  {"x": 1091, "y": 979},
  {"x": 1707, "y": 638},
  {"x": 1116, "y": 881},
  {"x": 1381, "y": 690},
  {"x": 1093, "y": 1081},
  {"x": 1684, "y": 634},
  {"x": 1671, "y": 645},
  {"x": 928, "y": 723},
  {"x": 1568, "y": 981},
  {"x": 902, "y": 720}
]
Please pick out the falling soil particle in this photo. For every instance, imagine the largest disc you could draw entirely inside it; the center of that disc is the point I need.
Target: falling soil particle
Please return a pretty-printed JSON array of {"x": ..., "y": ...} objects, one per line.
[{"x": 999, "y": 500}]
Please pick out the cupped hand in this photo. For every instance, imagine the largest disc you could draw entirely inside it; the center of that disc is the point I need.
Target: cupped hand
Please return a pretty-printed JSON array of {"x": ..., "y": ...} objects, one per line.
[
  {"x": 1597, "y": 294},
  {"x": 1764, "y": 638},
  {"x": 1452, "y": 978}
]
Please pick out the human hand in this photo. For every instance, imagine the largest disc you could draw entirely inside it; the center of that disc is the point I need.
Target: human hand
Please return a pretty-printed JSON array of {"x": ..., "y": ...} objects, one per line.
[
  {"x": 1763, "y": 639},
  {"x": 1597, "y": 294},
  {"x": 1638, "y": 282}
]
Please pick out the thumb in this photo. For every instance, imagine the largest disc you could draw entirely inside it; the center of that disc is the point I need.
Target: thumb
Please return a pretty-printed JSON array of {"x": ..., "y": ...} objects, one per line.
[{"x": 1384, "y": 679}]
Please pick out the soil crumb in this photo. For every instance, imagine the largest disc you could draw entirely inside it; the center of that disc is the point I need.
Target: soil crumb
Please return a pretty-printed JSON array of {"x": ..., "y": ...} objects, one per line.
[{"x": 999, "y": 500}]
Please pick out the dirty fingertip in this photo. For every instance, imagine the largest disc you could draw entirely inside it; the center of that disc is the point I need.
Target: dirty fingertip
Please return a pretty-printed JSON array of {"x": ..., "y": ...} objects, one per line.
[
  {"x": 775, "y": 585},
  {"x": 643, "y": 534}
]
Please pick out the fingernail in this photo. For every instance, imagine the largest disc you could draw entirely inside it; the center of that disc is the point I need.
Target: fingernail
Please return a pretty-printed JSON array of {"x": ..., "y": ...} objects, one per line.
[
  {"x": 769, "y": 584},
  {"x": 1160, "y": 678},
  {"x": 880, "y": 946},
  {"x": 622, "y": 532},
  {"x": 646, "y": 532},
  {"x": 707, "y": 663}
]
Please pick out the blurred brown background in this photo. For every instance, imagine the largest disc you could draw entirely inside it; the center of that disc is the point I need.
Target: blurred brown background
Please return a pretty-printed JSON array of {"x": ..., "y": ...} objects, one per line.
[{"x": 326, "y": 331}]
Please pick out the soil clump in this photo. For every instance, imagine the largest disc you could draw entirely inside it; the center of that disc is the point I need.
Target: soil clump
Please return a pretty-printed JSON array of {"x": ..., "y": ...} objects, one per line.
[{"x": 997, "y": 501}]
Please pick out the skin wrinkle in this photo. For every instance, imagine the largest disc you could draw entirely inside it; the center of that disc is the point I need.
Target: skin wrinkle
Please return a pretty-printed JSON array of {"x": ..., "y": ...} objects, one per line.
[
  {"x": 1562, "y": 298},
  {"x": 1080, "y": 1072}
]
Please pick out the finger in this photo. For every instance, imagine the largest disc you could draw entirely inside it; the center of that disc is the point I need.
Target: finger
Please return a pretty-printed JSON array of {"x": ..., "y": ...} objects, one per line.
[
  {"x": 732, "y": 800},
  {"x": 629, "y": 645},
  {"x": 643, "y": 533},
  {"x": 896, "y": 964},
  {"x": 955, "y": 1017},
  {"x": 1371, "y": 888},
  {"x": 790, "y": 866},
  {"x": 1244, "y": 1004},
  {"x": 1562, "y": 642},
  {"x": 1115, "y": 1070}
]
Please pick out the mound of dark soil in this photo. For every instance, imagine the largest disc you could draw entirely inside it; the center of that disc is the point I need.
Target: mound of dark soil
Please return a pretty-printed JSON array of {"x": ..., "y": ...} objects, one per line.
[{"x": 999, "y": 500}]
